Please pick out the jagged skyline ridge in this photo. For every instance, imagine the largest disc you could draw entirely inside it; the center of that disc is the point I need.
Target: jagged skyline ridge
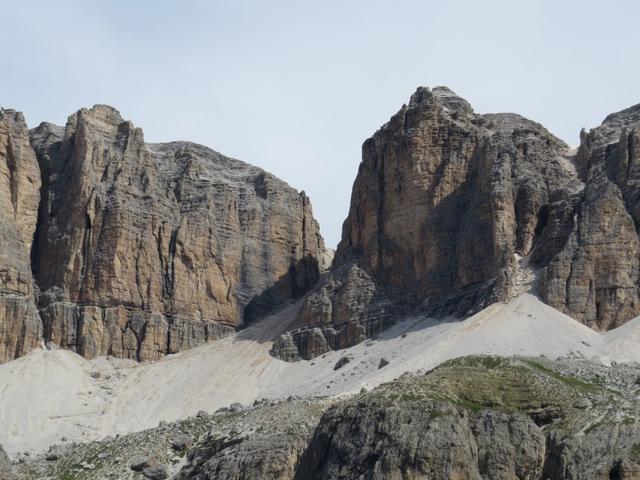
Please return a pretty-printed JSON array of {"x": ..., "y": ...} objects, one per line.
[{"x": 295, "y": 88}]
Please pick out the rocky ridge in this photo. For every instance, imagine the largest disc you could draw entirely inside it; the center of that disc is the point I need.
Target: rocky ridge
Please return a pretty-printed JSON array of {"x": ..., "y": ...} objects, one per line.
[
  {"x": 451, "y": 209},
  {"x": 140, "y": 250}
]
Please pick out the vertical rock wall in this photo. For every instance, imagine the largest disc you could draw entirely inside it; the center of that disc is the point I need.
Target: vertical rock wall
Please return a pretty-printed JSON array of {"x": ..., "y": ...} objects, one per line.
[{"x": 141, "y": 249}]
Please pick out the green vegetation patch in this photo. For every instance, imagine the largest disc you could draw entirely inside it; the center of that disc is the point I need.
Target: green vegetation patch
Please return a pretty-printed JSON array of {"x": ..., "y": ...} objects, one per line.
[
  {"x": 573, "y": 382},
  {"x": 511, "y": 385}
]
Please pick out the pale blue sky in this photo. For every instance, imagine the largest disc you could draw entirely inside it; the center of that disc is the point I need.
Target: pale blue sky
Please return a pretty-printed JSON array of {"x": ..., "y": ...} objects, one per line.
[{"x": 296, "y": 87}]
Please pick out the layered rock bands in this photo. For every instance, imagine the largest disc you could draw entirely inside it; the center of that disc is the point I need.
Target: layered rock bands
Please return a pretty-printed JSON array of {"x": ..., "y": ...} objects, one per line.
[{"x": 114, "y": 246}]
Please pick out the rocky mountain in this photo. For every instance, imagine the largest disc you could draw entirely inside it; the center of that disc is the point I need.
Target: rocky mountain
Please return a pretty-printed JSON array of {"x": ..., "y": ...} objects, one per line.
[
  {"x": 119, "y": 247},
  {"x": 451, "y": 210},
  {"x": 116, "y": 247},
  {"x": 471, "y": 418},
  {"x": 138, "y": 250}
]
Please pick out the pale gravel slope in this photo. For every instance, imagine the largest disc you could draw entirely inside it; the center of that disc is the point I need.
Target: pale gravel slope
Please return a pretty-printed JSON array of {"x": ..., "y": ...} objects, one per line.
[{"x": 48, "y": 395}]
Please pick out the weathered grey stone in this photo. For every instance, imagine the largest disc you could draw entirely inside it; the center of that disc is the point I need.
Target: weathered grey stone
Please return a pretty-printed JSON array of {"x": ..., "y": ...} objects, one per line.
[
  {"x": 182, "y": 443},
  {"x": 269, "y": 452},
  {"x": 156, "y": 472},
  {"x": 382, "y": 441},
  {"x": 140, "y": 463},
  {"x": 479, "y": 418},
  {"x": 344, "y": 309}
]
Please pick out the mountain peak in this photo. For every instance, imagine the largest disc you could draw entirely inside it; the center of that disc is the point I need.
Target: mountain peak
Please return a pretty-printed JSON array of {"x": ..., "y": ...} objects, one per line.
[
  {"x": 443, "y": 96},
  {"x": 628, "y": 117}
]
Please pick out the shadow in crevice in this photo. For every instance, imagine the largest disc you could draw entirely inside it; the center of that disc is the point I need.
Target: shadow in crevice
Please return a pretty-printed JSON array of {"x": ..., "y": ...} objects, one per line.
[{"x": 300, "y": 278}]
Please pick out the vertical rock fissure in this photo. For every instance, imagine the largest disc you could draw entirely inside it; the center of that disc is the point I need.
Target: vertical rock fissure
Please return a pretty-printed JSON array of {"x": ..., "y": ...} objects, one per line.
[
  {"x": 138, "y": 277},
  {"x": 79, "y": 326},
  {"x": 304, "y": 224},
  {"x": 13, "y": 183},
  {"x": 140, "y": 337},
  {"x": 86, "y": 255},
  {"x": 170, "y": 276},
  {"x": 20, "y": 340},
  {"x": 40, "y": 221},
  {"x": 170, "y": 321},
  {"x": 381, "y": 221}
]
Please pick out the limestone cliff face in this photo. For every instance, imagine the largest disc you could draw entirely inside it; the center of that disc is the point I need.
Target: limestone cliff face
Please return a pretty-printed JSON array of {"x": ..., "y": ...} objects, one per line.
[
  {"x": 20, "y": 327},
  {"x": 595, "y": 272},
  {"x": 142, "y": 249},
  {"x": 449, "y": 205}
]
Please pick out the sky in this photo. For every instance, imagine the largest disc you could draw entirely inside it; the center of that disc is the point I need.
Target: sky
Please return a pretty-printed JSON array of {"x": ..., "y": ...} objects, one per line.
[{"x": 296, "y": 86}]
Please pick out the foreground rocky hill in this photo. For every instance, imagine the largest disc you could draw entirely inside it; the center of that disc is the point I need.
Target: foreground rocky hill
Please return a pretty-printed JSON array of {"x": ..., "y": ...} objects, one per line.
[
  {"x": 118, "y": 247},
  {"x": 452, "y": 209},
  {"x": 470, "y": 418}
]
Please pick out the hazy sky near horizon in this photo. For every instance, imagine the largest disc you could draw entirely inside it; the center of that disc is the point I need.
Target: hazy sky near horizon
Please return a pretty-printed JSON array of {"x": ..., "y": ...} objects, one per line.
[{"x": 295, "y": 87}]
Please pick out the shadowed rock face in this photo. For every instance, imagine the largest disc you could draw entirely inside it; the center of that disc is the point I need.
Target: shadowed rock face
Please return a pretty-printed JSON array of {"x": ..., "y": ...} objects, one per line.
[
  {"x": 445, "y": 203},
  {"x": 147, "y": 249}
]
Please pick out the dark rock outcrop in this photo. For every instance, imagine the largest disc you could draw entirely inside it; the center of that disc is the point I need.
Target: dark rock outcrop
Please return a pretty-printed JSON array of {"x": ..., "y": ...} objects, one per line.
[
  {"x": 256, "y": 446},
  {"x": 345, "y": 308},
  {"x": 450, "y": 206}
]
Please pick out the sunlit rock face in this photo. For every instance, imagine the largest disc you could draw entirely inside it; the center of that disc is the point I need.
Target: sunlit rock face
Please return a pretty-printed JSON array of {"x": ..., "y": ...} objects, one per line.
[{"x": 139, "y": 250}]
